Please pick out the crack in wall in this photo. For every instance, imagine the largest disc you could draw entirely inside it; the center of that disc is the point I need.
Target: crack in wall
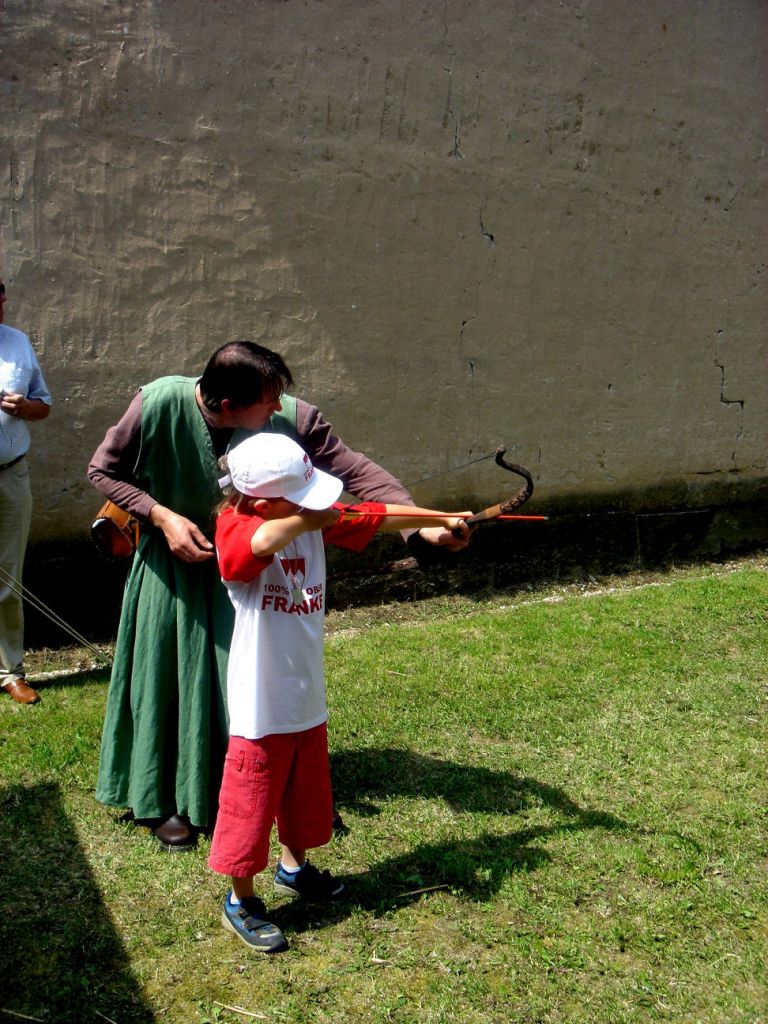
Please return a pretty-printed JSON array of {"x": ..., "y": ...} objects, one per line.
[
  {"x": 486, "y": 234},
  {"x": 731, "y": 401},
  {"x": 758, "y": 274},
  {"x": 450, "y": 117},
  {"x": 472, "y": 362}
]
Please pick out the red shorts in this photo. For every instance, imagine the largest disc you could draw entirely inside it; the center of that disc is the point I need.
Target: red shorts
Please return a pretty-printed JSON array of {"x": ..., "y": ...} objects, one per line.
[{"x": 283, "y": 778}]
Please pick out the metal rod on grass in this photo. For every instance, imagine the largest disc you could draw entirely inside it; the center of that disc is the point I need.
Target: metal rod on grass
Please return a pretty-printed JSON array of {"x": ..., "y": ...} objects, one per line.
[{"x": 40, "y": 606}]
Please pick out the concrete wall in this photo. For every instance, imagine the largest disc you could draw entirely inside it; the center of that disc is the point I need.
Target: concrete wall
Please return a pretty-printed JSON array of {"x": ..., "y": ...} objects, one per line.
[{"x": 462, "y": 223}]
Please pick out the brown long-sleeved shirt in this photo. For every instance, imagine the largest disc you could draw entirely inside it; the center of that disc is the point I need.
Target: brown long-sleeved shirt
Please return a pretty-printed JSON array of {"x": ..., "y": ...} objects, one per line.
[{"x": 112, "y": 466}]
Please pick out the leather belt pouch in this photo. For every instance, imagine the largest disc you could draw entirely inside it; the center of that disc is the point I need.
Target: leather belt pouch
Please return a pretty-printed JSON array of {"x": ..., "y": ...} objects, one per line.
[{"x": 114, "y": 531}]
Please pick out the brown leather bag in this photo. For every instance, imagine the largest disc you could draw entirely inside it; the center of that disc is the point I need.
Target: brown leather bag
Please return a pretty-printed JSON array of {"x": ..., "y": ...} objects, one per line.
[{"x": 114, "y": 531}]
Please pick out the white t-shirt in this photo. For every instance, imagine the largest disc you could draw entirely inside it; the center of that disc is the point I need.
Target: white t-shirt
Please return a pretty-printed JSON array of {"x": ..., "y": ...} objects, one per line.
[{"x": 275, "y": 681}]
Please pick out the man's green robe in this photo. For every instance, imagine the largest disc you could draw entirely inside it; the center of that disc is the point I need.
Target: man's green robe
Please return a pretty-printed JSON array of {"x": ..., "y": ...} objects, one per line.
[{"x": 165, "y": 731}]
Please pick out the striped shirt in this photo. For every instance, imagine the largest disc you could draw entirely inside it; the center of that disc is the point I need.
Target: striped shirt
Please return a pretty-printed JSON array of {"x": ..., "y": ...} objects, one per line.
[{"x": 20, "y": 374}]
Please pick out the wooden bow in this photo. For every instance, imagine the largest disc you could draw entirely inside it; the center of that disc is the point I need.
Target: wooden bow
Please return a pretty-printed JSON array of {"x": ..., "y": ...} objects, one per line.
[
  {"x": 502, "y": 511},
  {"x": 504, "y": 508}
]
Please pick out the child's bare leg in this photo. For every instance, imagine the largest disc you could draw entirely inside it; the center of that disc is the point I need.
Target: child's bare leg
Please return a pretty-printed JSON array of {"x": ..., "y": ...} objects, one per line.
[
  {"x": 296, "y": 876},
  {"x": 242, "y": 888},
  {"x": 292, "y": 858}
]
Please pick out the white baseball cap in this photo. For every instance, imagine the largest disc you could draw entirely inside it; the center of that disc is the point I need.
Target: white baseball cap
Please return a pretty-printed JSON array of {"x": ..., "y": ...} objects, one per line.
[{"x": 273, "y": 466}]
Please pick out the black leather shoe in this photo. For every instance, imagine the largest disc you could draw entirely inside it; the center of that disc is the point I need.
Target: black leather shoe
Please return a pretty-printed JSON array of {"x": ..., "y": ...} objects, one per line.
[{"x": 176, "y": 834}]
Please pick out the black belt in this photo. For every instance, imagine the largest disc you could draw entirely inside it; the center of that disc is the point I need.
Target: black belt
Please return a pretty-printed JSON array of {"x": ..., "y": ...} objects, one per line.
[{"x": 7, "y": 465}]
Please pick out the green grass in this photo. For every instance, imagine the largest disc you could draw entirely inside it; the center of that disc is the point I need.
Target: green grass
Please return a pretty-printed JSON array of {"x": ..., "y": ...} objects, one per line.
[{"x": 557, "y": 813}]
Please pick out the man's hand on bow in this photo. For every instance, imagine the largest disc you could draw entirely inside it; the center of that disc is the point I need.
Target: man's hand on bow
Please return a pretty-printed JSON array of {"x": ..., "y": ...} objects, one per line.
[{"x": 441, "y": 537}]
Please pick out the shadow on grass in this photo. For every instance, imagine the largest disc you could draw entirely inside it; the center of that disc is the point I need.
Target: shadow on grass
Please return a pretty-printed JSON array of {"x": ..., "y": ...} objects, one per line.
[
  {"x": 360, "y": 777},
  {"x": 77, "y": 677},
  {"x": 63, "y": 960},
  {"x": 474, "y": 868}
]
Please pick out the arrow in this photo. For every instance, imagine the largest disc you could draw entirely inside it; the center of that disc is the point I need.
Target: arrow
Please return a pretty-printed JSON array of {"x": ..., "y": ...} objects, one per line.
[{"x": 426, "y": 514}]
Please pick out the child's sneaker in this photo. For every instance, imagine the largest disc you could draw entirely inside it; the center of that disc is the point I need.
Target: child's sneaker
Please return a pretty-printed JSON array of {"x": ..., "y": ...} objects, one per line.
[
  {"x": 309, "y": 883},
  {"x": 246, "y": 921}
]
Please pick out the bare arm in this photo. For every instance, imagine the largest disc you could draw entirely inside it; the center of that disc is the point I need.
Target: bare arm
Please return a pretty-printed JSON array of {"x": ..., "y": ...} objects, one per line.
[
  {"x": 274, "y": 534},
  {"x": 24, "y": 408},
  {"x": 399, "y": 517}
]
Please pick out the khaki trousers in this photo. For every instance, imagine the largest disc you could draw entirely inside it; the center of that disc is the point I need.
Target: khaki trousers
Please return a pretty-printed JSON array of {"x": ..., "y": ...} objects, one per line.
[{"x": 15, "y": 517}]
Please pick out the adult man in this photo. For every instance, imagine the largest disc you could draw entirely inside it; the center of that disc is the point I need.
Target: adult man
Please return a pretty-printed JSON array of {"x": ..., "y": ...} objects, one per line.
[
  {"x": 24, "y": 398},
  {"x": 165, "y": 728}
]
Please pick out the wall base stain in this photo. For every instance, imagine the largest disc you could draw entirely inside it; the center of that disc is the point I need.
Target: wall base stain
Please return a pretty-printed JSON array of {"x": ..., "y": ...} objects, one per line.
[{"x": 86, "y": 591}]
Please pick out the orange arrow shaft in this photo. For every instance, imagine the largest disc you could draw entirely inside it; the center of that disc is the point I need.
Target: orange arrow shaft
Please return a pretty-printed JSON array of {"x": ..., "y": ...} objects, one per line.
[
  {"x": 533, "y": 519},
  {"x": 425, "y": 514}
]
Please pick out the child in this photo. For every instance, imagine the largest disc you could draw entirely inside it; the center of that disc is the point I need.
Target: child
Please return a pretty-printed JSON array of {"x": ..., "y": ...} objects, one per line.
[{"x": 270, "y": 537}]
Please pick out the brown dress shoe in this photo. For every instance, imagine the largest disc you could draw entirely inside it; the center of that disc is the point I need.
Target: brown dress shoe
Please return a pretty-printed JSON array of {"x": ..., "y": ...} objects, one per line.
[
  {"x": 176, "y": 834},
  {"x": 21, "y": 692}
]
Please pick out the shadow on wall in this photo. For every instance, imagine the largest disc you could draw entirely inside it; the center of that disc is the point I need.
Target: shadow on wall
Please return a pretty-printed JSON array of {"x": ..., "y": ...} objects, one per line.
[
  {"x": 62, "y": 958},
  {"x": 78, "y": 584},
  {"x": 572, "y": 546}
]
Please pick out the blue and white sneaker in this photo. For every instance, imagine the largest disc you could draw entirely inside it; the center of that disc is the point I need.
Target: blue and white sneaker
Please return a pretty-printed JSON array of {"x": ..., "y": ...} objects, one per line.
[
  {"x": 246, "y": 920},
  {"x": 309, "y": 883}
]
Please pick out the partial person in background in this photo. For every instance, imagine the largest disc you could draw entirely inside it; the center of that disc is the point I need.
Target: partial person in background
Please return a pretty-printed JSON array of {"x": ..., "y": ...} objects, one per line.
[
  {"x": 165, "y": 731},
  {"x": 24, "y": 398}
]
